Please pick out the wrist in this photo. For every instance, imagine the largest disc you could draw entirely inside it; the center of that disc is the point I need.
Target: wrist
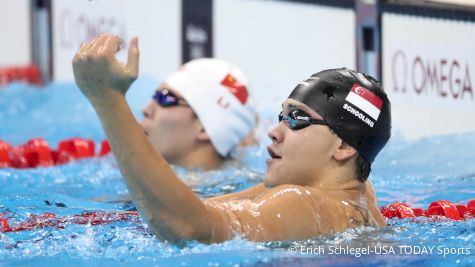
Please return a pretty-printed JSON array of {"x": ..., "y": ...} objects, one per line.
[{"x": 106, "y": 99}]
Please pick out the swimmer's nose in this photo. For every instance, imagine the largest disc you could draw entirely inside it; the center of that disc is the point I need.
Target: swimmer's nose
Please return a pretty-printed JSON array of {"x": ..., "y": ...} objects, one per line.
[
  {"x": 275, "y": 134},
  {"x": 148, "y": 111}
]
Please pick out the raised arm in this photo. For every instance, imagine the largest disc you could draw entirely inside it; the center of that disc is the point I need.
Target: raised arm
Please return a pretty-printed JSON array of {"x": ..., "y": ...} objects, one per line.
[{"x": 171, "y": 209}]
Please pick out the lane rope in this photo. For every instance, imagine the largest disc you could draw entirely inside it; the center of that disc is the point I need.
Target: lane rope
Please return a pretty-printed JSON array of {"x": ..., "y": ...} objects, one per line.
[
  {"x": 49, "y": 219},
  {"x": 437, "y": 210},
  {"x": 27, "y": 73},
  {"x": 37, "y": 153}
]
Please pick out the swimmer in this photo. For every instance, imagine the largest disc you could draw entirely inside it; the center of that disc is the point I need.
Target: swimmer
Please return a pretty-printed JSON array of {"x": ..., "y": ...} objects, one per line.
[
  {"x": 200, "y": 114},
  {"x": 320, "y": 157}
]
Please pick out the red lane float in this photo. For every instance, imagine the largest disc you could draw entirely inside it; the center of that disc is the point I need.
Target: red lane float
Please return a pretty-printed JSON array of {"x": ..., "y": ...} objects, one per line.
[
  {"x": 29, "y": 73},
  {"x": 444, "y": 208},
  {"x": 5, "y": 149},
  {"x": 37, "y": 153},
  {"x": 439, "y": 208},
  {"x": 471, "y": 204},
  {"x": 398, "y": 209},
  {"x": 78, "y": 148},
  {"x": 105, "y": 148},
  {"x": 52, "y": 220}
]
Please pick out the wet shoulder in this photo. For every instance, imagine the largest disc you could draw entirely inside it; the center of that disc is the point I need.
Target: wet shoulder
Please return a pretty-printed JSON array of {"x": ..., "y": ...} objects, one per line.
[
  {"x": 330, "y": 210},
  {"x": 325, "y": 211}
]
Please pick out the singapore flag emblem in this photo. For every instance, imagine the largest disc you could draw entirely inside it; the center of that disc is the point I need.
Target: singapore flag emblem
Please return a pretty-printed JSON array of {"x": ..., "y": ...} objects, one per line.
[{"x": 365, "y": 100}]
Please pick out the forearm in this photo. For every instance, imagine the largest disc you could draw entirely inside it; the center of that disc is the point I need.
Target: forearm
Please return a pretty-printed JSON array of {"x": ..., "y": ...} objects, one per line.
[{"x": 170, "y": 207}]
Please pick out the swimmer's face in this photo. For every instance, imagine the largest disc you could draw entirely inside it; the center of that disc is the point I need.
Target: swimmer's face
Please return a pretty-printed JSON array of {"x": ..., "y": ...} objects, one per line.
[
  {"x": 171, "y": 130},
  {"x": 299, "y": 156}
]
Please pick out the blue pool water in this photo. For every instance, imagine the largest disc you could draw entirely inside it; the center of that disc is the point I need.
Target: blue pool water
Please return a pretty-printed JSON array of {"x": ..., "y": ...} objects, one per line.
[{"x": 417, "y": 172}]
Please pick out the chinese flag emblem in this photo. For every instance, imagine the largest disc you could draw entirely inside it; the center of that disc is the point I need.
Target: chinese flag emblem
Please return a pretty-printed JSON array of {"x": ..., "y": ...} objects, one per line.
[{"x": 236, "y": 88}]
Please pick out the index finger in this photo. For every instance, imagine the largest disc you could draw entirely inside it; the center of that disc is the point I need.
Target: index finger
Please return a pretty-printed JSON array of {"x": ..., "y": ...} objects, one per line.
[
  {"x": 111, "y": 45},
  {"x": 84, "y": 48}
]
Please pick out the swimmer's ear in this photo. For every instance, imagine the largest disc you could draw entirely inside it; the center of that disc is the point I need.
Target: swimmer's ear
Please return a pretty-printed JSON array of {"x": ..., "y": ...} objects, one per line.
[{"x": 344, "y": 152}]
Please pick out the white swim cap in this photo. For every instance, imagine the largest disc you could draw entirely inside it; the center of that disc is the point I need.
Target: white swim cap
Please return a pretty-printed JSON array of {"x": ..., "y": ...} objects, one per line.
[{"x": 218, "y": 94}]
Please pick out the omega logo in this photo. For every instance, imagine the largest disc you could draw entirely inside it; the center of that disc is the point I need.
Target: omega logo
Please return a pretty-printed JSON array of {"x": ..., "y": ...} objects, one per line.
[{"x": 445, "y": 78}]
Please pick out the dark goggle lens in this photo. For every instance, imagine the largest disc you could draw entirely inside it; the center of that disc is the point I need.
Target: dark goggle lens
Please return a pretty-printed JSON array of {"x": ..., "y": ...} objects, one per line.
[
  {"x": 296, "y": 119},
  {"x": 165, "y": 98}
]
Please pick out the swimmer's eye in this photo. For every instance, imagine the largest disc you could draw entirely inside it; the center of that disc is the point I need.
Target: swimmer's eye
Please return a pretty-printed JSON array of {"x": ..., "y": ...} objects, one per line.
[
  {"x": 298, "y": 119},
  {"x": 280, "y": 116},
  {"x": 165, "y": 99}
]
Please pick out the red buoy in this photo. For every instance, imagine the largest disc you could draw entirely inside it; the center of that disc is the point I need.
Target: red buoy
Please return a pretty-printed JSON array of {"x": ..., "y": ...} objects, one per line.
[
  {"x": 29, "y": 73},
  {"x": 443, "y": 208},
  {"x": 398, "y": 209},
  {"x": 5, "y": 149},
  {"x": 105, "y": 148},
  {"x": 35, "y": 153},
  {"x": 77, "y": 147},
  {"x": 38, "y": 153}
]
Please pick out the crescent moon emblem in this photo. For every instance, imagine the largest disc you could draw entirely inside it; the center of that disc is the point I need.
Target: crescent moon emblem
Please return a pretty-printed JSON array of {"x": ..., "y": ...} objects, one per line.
[{"x": 360, "y": 90}]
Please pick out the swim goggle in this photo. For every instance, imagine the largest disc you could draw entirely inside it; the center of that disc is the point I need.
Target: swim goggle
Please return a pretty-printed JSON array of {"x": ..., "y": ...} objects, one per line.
[
  {"x": 298, "y": 119},
  {"x": 167, "y": 99}
]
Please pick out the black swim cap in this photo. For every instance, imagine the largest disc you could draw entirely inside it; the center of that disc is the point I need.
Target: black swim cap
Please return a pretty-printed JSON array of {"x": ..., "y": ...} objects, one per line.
[{"x": 353, "y": 104}]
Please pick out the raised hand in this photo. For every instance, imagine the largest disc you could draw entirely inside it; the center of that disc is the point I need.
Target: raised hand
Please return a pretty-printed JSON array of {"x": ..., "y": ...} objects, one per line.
[{"x": 97, "y": 71}]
